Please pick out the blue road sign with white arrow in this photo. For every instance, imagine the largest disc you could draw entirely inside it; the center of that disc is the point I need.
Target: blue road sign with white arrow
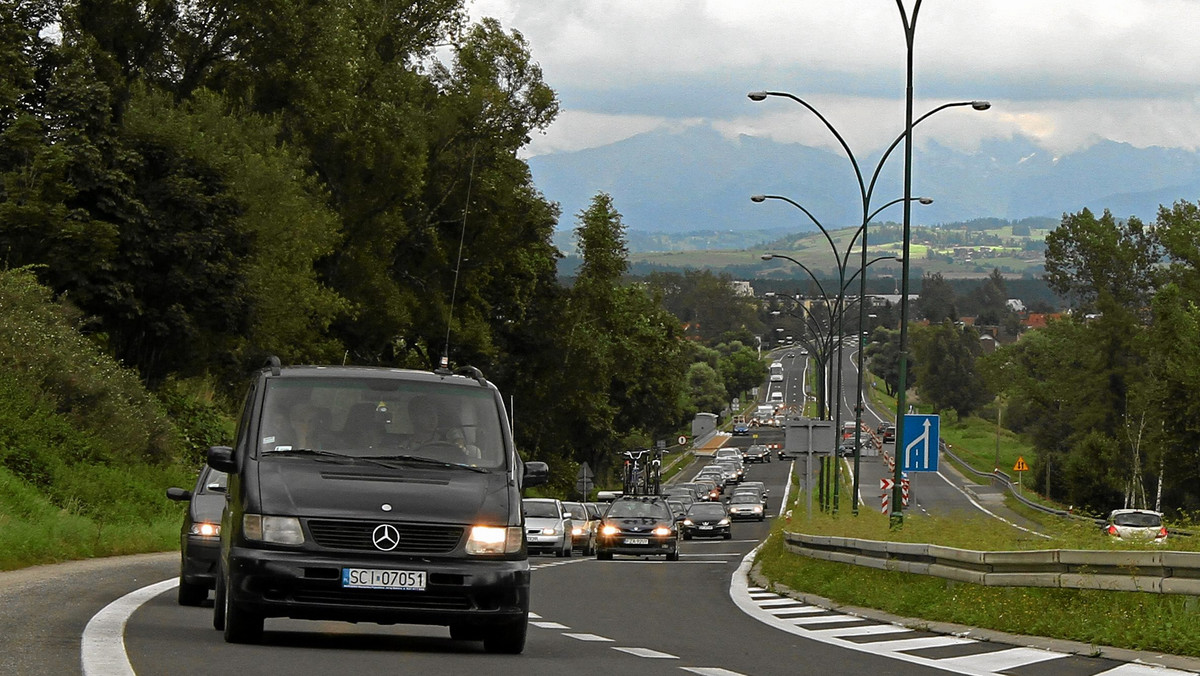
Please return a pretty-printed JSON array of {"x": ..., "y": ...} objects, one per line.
[{"x": 921, "y": 442}]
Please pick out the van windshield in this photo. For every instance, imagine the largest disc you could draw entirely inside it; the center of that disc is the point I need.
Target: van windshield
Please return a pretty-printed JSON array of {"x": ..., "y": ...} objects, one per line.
[{"x": 376, "y": 418}]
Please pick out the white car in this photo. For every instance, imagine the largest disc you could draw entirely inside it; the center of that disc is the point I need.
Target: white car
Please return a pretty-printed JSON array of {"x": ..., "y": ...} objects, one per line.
[
  {"x": 1137, "y": 525},
  {"x": 547, "y": 526}
]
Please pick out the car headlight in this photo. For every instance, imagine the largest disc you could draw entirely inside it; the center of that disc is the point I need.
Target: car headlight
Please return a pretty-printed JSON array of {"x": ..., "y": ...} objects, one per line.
[
  {"x": 723, "y": 522},
  {"x": 688, "y": 522},
  {"x": 609, "y": 529},
  {"x": 279, "y": 530},
  {"x": 662, "y": 531},
  {"x": 757, "y": 508},
  {"x": 577, "y": 531},
  {"x": 205, "y": 529},
  {"x": 549, "y": 531},
  {"x": 493, "y": 540}
]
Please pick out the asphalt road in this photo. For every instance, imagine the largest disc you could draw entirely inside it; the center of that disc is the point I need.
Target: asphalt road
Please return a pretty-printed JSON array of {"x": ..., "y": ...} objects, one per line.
[{"x": 698, "y": 615}]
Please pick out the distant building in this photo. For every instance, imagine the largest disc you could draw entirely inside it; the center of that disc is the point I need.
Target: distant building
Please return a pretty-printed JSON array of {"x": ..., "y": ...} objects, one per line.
[{"x": 742, "y": 288}]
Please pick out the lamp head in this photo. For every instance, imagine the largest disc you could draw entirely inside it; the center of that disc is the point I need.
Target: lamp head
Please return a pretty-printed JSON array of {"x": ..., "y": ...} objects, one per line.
[
  {"x": 758, "y": 198},
  {"x": 767, "y": 256},
  {"x": 925, "y": 200},
  {"x": 981, "y": 105},
  {"x": 757, "y": 96}
]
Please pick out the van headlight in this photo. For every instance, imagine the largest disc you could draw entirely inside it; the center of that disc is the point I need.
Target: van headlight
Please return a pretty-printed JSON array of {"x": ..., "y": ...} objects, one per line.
[
  {"x": 279, "y": 530},
  {"x": 205, "y": 529},
  {"x": 494, "y": 540}
]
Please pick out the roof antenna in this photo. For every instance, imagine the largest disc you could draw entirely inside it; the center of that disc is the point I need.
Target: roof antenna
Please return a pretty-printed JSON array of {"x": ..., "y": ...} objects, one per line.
[{"x": 444, "y": 366}]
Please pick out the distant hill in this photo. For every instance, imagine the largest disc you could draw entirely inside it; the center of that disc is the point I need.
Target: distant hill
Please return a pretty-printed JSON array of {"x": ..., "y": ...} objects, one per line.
[{"x": 697, "y": 181}]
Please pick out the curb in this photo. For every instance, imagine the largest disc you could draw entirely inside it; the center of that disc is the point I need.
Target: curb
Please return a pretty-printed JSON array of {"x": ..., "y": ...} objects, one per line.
[{"x": 1057, "y": 645}]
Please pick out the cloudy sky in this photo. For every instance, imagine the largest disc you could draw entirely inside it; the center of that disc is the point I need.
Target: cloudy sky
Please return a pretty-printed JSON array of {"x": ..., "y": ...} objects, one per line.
[{"x": 1062, "y": 72}]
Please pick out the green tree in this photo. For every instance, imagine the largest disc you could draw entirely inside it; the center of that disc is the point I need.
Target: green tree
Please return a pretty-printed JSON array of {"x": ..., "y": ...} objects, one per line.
[
  {"x": 883, "y": 355},
  {"x": 1090, "y": 259},
  {"x": 945, "y": 357},
  {"x": 706, "y": 390},
  {"x": 936, "y": 302}
]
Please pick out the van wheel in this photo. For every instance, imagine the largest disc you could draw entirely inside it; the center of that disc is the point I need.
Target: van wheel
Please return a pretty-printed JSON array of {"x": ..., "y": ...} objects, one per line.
[
  {"x": 191, "y": 594},
  {"x": 507, "y": 639},
  {"x": 241, "y": 625}
]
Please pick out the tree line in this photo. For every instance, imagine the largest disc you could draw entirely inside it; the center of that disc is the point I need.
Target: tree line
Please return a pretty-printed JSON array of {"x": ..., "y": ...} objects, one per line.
[
  {"x": 213, "y": 182},
  {"x": 1106, "y": 392}
]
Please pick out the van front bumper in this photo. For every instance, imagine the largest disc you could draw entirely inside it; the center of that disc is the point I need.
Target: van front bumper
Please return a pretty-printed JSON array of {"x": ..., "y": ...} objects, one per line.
[{"x": 305, "y": 585}]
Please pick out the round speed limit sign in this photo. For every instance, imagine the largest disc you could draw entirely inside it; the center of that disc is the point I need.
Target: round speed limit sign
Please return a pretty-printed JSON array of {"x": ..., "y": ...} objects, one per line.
[{"x": 682, "y": 440}]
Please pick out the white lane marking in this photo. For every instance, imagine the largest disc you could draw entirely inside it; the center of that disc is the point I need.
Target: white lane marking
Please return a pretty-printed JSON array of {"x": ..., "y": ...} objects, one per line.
[
  {"x": 1003, "y": 660},
  {"x": 738, "y": 592},
  {"x": 924, "y": 642},
  {"x": 823, "y": 619},
  {"x": 779, "y": 602},
  {"x": 988, "y": 512},
  {"x": 729, "y": 554},
  {"x": 646, "y": 652},
  {"x": 711, "y": 671},
  {"x": 869, "y": 630},
  {"x": 798, "y": 610},
  {"x": 102, "y": 650},
  {"x": 534, "y": 616},
  {"x": 588, "y": 637},
  {"x": 549, "y": 625}
]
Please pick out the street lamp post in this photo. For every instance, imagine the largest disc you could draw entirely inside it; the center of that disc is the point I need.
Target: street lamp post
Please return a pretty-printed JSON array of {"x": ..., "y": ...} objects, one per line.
[
  {"x": 837, "y": 312},
  {"x": 867, "y": 191}
]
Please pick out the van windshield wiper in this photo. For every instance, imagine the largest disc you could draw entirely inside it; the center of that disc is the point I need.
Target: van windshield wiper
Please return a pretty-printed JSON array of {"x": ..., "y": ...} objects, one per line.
[
  {"x": 308, "y": 451},
  {"x": 428, "y": 461}
]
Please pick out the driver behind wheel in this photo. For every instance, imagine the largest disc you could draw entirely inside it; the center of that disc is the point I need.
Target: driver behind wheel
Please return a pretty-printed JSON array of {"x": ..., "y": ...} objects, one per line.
[{"x": 436, "y": 433}]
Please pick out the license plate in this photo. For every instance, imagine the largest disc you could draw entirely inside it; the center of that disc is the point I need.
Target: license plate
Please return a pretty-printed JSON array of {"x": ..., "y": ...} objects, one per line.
[
  {"x": 706, "y": 527},
  {"x": 637, "y": 541},
  {"x": 372, "y": 578}
]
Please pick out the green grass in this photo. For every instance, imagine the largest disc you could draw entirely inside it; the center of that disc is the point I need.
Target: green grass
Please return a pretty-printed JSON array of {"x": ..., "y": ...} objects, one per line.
[{"x": 1141, "y": 621}]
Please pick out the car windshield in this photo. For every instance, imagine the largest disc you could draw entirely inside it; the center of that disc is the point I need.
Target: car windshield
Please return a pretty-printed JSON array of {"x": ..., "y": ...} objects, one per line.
[
  {"x": 706, "y": 509},
  {"x": 625, "y": 508},
  {"x": 400, "y": 419},
  {"x": 575, "y": 511},
  {"x": 546, "y": 510},
  {"x": 744, "y": 497},
  {"x": 1138, "y": 520}
]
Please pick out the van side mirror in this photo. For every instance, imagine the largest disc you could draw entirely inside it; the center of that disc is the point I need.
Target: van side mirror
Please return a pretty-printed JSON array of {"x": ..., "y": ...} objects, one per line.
[
  {"x": 221, "y": 458},
  {"x": 178, "y": 494},
  {"x": 536, "y": 474}
]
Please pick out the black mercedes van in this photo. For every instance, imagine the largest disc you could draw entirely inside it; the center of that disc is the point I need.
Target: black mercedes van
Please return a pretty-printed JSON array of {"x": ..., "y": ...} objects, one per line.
[{"x": 374, "y": 495}]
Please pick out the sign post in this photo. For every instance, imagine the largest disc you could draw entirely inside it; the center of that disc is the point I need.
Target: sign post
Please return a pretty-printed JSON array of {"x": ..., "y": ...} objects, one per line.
[
  {"x": 583, "y": 480},
  {"x": 1019, "y": 468}
]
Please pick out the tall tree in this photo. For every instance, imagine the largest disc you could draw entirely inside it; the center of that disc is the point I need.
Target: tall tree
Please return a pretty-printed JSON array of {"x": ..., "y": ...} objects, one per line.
[
  {"x": 1089, "y": 259},
  {"x": 945, "y": 364},
  {"x": 936, "y": 303}
]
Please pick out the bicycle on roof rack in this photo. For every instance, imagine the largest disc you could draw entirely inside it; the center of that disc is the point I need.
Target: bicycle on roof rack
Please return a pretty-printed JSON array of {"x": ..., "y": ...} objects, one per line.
[{"x": 642, "y": 472}]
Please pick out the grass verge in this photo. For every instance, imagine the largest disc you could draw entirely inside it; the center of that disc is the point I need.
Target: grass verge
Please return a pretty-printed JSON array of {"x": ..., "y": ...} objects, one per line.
[{"x": 1139, "y": 621}]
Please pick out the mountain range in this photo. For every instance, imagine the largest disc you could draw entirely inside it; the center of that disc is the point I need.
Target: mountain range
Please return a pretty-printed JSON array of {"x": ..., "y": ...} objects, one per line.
[{"x": 698, "y": 180}]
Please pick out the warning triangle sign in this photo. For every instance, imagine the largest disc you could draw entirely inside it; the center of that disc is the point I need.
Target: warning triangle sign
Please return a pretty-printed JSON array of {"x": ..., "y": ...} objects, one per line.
[{"x": 1020, "y": 466}]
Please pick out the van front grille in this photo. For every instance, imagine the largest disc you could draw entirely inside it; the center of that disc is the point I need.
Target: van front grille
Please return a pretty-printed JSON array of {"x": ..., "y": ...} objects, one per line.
[{"x": 359, "y": 535}]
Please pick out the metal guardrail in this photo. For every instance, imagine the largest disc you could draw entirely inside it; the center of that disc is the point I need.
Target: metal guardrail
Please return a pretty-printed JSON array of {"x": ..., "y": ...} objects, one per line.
[
  {"x": 1003, "y": 479},
  {"x": 1163, "y": 572}
]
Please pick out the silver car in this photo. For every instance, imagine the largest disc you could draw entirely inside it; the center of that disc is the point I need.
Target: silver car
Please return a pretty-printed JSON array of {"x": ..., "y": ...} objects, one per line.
[
  {"x": 746, "y": 506},
  {"x": 547, "y": 526},
  {"x": 1140, "y": 525}
]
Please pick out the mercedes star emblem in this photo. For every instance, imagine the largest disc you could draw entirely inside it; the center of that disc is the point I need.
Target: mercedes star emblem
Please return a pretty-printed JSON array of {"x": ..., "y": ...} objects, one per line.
[{"x": 385, "y": 537}]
